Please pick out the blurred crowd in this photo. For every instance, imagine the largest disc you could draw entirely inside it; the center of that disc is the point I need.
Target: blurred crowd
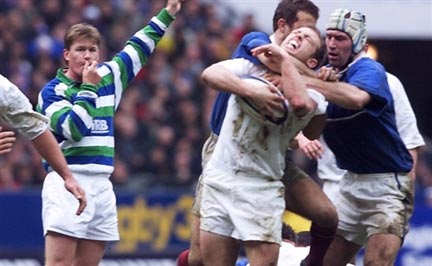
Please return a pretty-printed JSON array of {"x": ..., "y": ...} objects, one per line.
[{"x": 162, "y": 121}]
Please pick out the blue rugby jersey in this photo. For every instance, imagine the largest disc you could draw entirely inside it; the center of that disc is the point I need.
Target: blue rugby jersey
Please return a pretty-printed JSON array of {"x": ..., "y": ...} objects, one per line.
[
  {"x": 82, "y": 115},
  {"x": 367, "y": 141}
]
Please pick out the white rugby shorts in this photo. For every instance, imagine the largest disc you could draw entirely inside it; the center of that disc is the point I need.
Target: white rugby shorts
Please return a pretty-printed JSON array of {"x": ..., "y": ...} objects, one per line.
[
  {"x": 206, "y": 152},
  {"x": 98, "y": 220},
  {"x": 242, "y": 207},
  {"x": 371, "y": 204}
]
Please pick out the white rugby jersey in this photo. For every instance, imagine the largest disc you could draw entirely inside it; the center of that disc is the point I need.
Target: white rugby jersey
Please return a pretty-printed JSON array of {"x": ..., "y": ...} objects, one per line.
[
  {"x": 254, "y": 147},
  {"x": 17, "y": 111}
]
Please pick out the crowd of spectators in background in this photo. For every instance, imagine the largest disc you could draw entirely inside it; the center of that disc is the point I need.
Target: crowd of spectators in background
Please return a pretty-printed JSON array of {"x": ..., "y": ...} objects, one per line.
[{"x": 162, "y": 121}]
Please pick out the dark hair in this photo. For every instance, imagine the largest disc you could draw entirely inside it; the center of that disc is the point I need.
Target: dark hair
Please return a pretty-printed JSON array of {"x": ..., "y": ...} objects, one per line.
[
  {"x": 288, "y": 9},
  {"x": 288, "y": 233},
  {"x": 303, "y": 239}
]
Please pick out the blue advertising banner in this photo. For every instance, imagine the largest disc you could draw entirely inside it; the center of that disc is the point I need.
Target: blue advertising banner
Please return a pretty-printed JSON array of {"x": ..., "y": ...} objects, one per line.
[{"x": 152, "y": 226}]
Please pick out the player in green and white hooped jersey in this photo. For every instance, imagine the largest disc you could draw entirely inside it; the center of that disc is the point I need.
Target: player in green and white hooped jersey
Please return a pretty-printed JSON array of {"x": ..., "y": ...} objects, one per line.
[{"x": 80, "y": 103}]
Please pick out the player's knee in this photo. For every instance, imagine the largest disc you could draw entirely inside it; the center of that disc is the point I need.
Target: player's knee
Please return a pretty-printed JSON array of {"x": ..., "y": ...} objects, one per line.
[{"x": 328, "y": 216}]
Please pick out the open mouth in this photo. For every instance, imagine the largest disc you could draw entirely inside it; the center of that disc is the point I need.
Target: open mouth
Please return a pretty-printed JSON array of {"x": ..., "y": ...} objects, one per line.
[{"x": 294, "y": 44}]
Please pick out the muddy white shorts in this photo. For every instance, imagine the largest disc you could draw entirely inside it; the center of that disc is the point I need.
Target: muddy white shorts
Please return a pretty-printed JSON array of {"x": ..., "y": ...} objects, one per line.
[
  {"x": 207, "y": 151},
  {"x": 371, "y": 204},
  {"x": 331, "y": 188},
  {"x": 242, "y": 207},
  {"x": 99, "y": 219}
]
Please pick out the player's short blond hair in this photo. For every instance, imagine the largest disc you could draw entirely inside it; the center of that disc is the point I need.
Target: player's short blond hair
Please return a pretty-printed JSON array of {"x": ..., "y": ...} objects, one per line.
[{"x": 81, "y": 31}]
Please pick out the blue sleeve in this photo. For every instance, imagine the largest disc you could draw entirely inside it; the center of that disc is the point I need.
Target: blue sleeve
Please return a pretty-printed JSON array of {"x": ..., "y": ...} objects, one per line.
[
  {"x": 370, "y": 76},
  {"x": 247, "y": 43}
]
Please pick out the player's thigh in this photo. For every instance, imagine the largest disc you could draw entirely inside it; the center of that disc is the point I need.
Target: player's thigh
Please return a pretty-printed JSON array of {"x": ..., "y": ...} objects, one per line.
[
  {"x": 194, "y": 256},
  {"x": 59, "y": 249},
  {"x": 381, "y": 249},
  {"x": 261, "y": 253},
  {"x": 306, "y": 198},
  {"x": 89, "y": 252},
  {"x": 217, "y": 250},
  {"x": 340, "y": 252}
]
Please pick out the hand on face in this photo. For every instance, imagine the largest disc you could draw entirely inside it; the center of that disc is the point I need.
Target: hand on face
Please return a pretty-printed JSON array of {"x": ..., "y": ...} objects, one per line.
[
  {"x": 89, "y": 74},
  {"x": 272, "y": 51}
]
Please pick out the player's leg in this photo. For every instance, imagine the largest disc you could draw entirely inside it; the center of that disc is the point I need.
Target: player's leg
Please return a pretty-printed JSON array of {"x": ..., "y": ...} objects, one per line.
[
  {"x": 194, "y": 257},
  {"x": 261, "y": 253},
  {"x": 340, "y": 252},
  {"x": 304, "y": 197},
  {"x": 59, "y": 249},
  {"x": 381, "y": 249},
  {"x": 89, "y": 252},
  {"x": 218, "y": 250}
]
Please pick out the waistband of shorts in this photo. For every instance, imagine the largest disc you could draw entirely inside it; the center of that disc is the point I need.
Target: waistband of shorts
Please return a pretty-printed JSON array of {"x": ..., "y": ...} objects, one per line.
[
  {"x": 83, "y": 174},
  {"x": 375, "y": 175}
]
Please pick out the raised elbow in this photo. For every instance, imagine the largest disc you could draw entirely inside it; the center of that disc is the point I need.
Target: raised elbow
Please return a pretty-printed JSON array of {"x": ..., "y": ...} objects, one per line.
[{"x": 301, "y": 106}]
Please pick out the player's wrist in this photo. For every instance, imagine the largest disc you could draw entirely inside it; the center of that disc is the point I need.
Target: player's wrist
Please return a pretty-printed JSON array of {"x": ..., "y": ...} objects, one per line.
[{"x": 166, "y": 16}]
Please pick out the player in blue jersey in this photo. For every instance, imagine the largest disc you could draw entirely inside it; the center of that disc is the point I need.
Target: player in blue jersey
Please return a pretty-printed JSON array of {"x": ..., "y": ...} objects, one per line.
[
  {"x": 80, "y": 103},
  {"x": 375, "y": 201}
]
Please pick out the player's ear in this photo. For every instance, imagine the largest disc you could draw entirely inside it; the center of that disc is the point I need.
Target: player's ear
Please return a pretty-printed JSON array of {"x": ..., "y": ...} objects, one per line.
[
  {"x": 283, "y": 26},
  {"x": 311, "y": 63},
  {"x": 66, "y": 54}
]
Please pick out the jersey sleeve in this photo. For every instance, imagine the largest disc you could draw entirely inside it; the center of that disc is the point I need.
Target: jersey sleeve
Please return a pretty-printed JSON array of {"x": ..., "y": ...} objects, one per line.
[
  {"x": 369, "y": 75},
  {"x": 18, "y": 111},
  {"x": 405, "y": 118},
  {"x": 249, "y": 42}
]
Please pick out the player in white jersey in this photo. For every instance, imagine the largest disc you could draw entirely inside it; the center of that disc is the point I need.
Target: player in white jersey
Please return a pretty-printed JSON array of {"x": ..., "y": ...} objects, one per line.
[
  {"x": 243, "y": 196},
  {"x": 17, "y": 111}
]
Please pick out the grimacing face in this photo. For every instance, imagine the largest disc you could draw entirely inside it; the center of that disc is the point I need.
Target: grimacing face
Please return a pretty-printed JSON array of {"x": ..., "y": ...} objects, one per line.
[
  {"x": 302, "y": 43},
  {"x": 339, "y": 48}
]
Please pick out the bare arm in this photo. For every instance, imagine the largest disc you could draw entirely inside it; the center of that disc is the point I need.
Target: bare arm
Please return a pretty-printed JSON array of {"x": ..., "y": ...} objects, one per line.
[
  {"x": 292, "y": 83},
  {"x": 275, "y": 67},
  {"x": 48, "y": 147},
  {"x": 340, "y": 93},
  {"x": 220, "y": 78}
]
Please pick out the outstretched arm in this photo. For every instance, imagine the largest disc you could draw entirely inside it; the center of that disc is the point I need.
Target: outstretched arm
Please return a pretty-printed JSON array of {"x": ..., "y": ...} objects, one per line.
[
  {"x": 220, "y": 78},
  {"x": 340, "y": 93},
  {"x": 48, "y": 147}
]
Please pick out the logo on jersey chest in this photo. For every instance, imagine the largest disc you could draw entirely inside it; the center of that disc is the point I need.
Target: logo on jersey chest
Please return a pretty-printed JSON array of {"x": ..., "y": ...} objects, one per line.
[{"x": 100, "y": 126}]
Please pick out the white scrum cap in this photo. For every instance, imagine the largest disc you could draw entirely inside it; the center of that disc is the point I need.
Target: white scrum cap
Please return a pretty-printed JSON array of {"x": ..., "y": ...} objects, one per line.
[{"x": 352, "y": 23}]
